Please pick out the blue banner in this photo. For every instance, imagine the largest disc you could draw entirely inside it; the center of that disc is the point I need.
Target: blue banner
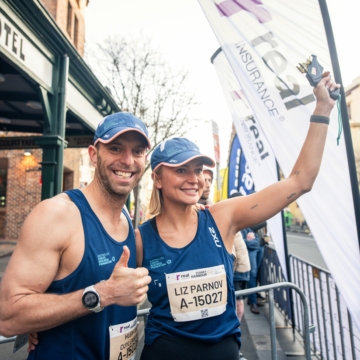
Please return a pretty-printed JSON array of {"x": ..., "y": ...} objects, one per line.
[{"x": 240, "y": 178}]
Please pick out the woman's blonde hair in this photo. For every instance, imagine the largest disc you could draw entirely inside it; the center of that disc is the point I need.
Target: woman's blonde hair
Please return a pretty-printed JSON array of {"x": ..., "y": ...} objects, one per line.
[{"x": 156, "y": 196}]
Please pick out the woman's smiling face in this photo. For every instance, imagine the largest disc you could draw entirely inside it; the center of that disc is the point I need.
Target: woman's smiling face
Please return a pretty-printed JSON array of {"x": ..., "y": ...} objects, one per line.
[{"x": 182, "y": 184}]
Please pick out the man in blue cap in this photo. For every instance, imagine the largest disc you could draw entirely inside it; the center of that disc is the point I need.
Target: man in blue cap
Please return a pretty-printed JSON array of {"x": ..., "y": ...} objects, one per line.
[{"x": 76, "y": 257}]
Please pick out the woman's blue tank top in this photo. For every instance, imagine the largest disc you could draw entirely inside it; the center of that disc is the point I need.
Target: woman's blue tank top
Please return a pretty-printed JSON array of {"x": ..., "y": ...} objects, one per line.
[
  {"x": 88, "y": 337},
  {"x": 206, "y": 250}
]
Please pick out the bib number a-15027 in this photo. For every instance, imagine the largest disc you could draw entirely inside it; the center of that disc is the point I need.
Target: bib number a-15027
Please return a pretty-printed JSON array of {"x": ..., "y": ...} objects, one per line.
[{"x": 197, "y": 294}]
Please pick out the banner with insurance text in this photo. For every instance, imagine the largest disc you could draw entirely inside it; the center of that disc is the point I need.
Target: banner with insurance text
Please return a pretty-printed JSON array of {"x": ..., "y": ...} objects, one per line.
[
  {"x": 263, "y": 41},
  {"x": 252, "y": 161}
]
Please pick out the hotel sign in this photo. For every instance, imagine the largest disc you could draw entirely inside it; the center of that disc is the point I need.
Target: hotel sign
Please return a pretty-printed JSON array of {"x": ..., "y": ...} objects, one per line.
[{"x": 16, "y": 45}]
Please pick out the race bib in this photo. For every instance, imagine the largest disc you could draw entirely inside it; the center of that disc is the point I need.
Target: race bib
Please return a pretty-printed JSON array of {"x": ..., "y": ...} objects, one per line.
[
  {"x": 123, "y": 341},
  {"x": 197, "y": 294}
]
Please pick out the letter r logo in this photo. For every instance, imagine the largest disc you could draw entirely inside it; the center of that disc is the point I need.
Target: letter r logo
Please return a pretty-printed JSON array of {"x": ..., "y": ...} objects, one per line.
[{"x": 231, "y": 7}]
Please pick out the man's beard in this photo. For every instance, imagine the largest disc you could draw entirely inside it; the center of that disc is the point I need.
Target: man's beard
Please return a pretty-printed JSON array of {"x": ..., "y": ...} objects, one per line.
[
  {"x": 205, "y": 196},
  {"x": 118, "y": 191}
]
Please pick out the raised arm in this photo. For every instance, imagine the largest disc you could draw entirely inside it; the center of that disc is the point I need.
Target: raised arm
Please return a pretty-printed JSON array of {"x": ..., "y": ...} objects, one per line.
[
  {"x": 38, "y": 260},
  {"x": 238, "y": 213}
]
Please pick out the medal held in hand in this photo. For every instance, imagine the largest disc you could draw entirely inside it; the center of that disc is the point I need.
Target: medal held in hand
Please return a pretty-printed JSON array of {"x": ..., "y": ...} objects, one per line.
[{"x": 314, "y": 73}]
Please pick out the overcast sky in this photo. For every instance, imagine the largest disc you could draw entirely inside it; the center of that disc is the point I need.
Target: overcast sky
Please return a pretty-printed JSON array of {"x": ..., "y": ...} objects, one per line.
[{"x": 184, "y": 34}]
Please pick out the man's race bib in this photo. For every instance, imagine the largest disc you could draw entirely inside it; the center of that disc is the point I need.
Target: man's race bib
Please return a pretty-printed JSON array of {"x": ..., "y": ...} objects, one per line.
[
  {"x": 197, "y": 294},
  {"x": 123, "y": 341}
]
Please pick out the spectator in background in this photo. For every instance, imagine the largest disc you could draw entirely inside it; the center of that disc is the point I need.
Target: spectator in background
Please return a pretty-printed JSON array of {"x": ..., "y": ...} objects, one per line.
[
  {"x": 260, "y": 231},
  {"x": 252, "y": 242},
  {"x": 288, "y": 218},
  {"x": 241, "y": 271},
  {"x": 205, "y": 197}
]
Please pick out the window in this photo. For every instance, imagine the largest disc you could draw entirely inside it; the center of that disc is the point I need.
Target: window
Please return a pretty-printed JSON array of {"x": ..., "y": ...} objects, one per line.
[
  {"x": 349, "y": 110},
  {"x": 3, "y": 182},
  {"x": 70, "y": 16},
  {"x": 76, "y": 32}
]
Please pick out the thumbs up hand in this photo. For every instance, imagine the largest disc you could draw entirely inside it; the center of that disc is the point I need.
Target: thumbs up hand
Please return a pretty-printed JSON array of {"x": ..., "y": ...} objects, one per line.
[
  {"x": 124, "y": 258},
  {"x": 126, "y": 286}
]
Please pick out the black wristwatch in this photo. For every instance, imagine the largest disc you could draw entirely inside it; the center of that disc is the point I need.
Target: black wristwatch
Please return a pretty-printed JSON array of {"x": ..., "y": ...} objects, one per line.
[{"x": 91, "y": 299}]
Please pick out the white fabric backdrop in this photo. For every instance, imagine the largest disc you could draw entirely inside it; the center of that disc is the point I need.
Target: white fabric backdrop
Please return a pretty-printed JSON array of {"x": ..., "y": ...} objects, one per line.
[
  {"x": 283, "y": 33},
  {"x": 258, "y": 153}
]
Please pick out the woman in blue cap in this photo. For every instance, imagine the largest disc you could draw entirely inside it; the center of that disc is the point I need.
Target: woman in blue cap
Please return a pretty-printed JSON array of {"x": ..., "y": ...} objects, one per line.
[{"x": 188, "y": 252}]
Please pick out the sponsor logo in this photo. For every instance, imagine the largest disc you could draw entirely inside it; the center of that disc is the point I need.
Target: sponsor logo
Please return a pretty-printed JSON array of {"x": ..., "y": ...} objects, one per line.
[
  {"x": 199, "y": 274},
  {"x": 124, "y": 328},
  {"x": 159, "y": 262},
  {"x": 105, "y": 259},
  {"x": 183, "y": 276},
  {"x": 230, "y": 7},
  {"x": 287, "y": 85},
  {"x": 215, "y": 238}
]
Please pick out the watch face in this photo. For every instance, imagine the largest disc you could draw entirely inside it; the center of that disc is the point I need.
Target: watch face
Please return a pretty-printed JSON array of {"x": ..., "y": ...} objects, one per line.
[{"x": 90, "y": 299}]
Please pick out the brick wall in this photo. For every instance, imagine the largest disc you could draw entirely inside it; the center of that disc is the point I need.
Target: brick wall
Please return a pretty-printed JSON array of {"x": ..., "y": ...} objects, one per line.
[
  {"x": 69, "y": 15},
  {"x": 50, "y": 6},
  {"x": 23, "y": 191},
  {"x": 72, "y": 162},
  {"x": 23, "y": 188}
]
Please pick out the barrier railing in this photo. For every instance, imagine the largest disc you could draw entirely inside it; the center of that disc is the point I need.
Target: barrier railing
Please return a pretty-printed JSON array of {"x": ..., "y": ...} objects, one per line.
[
  {"x": 307, "y": 329},
  {"x": 336, "y": 337}
]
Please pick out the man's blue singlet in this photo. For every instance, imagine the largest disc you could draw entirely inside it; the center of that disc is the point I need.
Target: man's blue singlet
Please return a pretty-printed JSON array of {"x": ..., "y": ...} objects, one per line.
[
  {"x": 206, "y": 250},
  {"x": 88, "y": 336}
]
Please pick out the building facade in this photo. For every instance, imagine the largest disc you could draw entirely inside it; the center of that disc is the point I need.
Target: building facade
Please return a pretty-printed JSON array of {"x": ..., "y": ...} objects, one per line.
[
  {"x": 49, "y": 100},
  {"x": 69, "y": 15}
]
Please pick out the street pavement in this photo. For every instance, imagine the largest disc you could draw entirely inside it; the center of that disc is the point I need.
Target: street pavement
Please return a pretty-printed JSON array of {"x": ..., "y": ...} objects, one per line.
[{"x": 305, "y": 247}]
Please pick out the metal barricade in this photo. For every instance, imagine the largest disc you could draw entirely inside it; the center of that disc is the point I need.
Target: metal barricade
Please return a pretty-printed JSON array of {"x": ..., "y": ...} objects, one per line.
[
  {"x": 4, "y": 340},
  {"x": 336, "y": 338},
  {"x": 267, "y": 288}
]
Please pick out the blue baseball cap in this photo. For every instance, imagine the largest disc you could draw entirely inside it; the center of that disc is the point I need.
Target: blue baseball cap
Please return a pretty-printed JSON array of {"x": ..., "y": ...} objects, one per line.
[
  {"x": 116, "y": 124},
  {"x": 177, "y": 151}
]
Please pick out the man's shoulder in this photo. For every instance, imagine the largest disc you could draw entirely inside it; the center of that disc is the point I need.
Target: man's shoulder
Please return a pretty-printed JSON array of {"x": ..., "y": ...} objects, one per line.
[
  {"x": 50, "y": 224},
  {"x": 58, "y": 211},
  {"x": 59, "y": 204}
]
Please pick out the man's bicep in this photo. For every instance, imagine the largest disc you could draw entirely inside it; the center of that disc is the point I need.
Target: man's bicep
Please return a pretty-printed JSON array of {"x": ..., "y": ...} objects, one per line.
[{"x": 35, "y": 261}]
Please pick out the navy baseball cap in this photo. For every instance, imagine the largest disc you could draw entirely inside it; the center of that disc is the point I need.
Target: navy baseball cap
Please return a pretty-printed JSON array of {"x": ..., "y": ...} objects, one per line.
[
  {"x": 116, "y": 124},
  {"x": 177, "y": 151}
]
